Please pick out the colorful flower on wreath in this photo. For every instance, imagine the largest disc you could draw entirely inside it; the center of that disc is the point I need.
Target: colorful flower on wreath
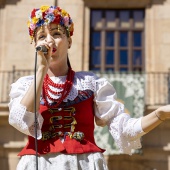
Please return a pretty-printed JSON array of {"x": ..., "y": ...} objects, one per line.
[
  {"x": 64, "y": 13},
  {"x": 38, "y": 14},
  {"x": 66, "y": 21},
  {"x": 49, "y": 17},
  {"x": 44, "y": 8}
]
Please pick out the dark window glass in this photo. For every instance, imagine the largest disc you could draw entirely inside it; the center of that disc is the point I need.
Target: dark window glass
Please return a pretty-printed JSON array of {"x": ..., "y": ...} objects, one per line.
[
  {"x": 110, "y": 19},
  {"x": 123, "y": 57},
  {"x": 96, "y": 68},
  {"x": 96, "y": 58},
  {"x": 123, "y": 39},
  {"x": 137, "y": 39},
  {"x": 109, "y": 57},
  {"x": 138, "y": 15},
  {"x": 109, "y": 39},
  {"x": 96, "y": 39},
  {"x": 124, "y": 18},
  {"x": 137, "y": 57},
  {"x": 109, "y": 69},
  {"x": 123, "y": 69},
  {"x": 97, "y": 19}
]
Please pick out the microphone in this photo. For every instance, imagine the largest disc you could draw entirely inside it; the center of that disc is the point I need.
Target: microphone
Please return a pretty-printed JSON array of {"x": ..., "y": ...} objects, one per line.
[{"x": 42, "y": 49}]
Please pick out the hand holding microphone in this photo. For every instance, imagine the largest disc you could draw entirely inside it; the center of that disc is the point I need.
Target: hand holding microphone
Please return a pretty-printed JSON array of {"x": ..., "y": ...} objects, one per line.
[
  {"x": 42, "y": 48},
  {"x": 46, "y": 47},
  {"x": 45, "y": 53}
]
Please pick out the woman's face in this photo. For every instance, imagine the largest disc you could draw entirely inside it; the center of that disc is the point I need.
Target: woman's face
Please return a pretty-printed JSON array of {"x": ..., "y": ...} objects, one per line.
[{"x": 56, "y": 35}]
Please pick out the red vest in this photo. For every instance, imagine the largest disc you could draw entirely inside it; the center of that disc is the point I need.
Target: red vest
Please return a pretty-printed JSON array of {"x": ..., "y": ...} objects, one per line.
[{"x": 57, "y": 122}]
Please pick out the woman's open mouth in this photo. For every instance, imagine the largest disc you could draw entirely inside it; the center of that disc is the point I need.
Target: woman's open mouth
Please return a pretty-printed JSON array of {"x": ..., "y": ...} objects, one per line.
[{"x": 54, "y": 50}]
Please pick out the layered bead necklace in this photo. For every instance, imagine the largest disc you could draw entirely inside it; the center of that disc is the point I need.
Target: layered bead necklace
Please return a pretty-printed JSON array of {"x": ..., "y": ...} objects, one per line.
[{"x": 64, "y": 89}]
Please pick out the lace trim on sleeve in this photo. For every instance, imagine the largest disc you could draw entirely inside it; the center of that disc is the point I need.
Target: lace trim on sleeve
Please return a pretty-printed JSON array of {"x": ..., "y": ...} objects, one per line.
[
  {"x": 32, "y": 126},
  {"x": 19, "y": 117},
  {"x": 125, "y": 135},
  {"x": 15, "y": 115},
  {"x": 23, "y": 120}
]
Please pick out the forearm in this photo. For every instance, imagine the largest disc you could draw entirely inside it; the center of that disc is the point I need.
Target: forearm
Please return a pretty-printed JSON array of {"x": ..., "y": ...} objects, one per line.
[
  {"x": 151, "y": 121},
  {"x": 28, "y": 99}
]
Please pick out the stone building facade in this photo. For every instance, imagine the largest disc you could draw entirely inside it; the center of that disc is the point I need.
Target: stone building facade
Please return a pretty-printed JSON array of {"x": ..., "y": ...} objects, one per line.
[{"x": 15, "y": 49}]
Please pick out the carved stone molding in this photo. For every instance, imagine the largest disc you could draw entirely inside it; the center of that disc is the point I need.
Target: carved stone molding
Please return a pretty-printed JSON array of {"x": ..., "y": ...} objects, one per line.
[{"x": 121, "y": 3}]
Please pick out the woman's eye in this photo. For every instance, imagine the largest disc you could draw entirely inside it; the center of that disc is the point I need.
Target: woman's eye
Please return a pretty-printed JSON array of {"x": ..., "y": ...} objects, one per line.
[
  {"x": 57, "y": 34},
  {"x": 41, "y": 37}
]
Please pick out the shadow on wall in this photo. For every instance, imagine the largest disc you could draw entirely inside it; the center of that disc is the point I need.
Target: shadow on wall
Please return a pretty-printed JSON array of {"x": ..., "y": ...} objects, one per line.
[
  {"x": 4, "y": 164},
  {"x": 158, "y": 1},
  {"x": 4, "y": 2}
]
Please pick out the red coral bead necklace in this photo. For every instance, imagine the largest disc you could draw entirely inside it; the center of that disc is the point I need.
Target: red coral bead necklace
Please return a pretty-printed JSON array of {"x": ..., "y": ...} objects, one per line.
[{"x": 64, "y": 89}]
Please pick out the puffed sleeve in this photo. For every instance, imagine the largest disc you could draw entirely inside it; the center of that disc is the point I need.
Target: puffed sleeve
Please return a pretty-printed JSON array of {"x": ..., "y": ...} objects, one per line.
[
  {"x": 19, "y": 117},
  {"x": 125, "y": 130}
]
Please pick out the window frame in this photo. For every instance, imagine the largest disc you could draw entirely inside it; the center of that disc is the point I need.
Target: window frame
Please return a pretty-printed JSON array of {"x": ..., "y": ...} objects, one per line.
[{"x": 117, "y": 30}]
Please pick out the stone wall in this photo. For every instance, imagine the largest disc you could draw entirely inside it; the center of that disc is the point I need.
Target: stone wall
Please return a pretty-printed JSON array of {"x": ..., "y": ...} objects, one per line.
[{"x": 157, "y": 36}]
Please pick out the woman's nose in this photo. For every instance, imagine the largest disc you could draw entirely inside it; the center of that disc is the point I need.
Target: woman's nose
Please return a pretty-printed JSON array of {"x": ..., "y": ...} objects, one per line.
[{"x": 50, "y": 39}]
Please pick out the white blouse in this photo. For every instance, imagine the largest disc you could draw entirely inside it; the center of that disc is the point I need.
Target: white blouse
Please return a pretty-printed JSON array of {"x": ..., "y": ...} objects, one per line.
[{"x": 126, "y": 131}]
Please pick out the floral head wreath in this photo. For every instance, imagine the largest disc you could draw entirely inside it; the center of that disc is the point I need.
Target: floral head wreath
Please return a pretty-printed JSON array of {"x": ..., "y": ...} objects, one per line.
[{"x": 49, "y": 14}]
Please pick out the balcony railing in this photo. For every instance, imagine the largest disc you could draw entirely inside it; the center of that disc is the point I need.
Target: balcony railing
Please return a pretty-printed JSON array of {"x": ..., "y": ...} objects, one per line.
[
  {"x": 7, "y": 78},
  {"x": 156, "y": 85}
]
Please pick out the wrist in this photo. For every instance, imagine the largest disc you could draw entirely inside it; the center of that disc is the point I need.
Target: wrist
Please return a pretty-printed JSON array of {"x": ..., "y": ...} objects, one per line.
[{"x": 160, "y": 115}]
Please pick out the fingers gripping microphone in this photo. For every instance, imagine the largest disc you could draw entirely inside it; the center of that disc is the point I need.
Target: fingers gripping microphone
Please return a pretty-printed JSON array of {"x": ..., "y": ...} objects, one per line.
[{"x": 42, "y": 49}]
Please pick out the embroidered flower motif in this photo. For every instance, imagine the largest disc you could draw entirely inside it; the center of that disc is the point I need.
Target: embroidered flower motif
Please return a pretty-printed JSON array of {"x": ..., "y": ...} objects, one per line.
[{"x": 49, "y": 14}]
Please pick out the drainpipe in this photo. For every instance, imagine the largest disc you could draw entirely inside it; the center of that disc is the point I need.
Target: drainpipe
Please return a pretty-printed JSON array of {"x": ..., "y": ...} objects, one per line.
[
  {"x": 169, "y": 86},
  {"x": 56, "y": 3}
]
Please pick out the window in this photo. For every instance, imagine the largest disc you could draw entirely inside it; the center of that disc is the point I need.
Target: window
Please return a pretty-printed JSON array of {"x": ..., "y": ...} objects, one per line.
[{"x": 117, "y": 40}]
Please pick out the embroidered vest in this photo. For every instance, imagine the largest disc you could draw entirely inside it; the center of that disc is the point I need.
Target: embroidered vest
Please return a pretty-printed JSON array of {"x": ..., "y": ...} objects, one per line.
[{"x": 74, "y": 124}]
